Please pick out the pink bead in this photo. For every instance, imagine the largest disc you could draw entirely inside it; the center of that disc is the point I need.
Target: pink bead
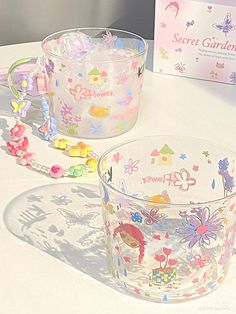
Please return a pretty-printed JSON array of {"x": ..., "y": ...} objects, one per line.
[
  {"x": 56, "y": 172},
  {"x": 17, "y": 131},
  {"x": 17, "y": 146},
  {"x": 25, "y": 159},
  {"x": 41, "y": 84}
]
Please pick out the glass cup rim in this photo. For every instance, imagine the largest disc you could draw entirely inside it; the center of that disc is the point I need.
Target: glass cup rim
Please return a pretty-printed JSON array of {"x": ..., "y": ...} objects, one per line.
[
  {"x": 53, "y": 55},
  {"x": 151, "y": 203}
]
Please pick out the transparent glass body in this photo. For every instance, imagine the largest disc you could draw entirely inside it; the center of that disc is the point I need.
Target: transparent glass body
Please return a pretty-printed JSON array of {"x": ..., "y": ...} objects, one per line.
[
  {"x": 169, "y": 214},
  {"x": 95, "y": 80}
]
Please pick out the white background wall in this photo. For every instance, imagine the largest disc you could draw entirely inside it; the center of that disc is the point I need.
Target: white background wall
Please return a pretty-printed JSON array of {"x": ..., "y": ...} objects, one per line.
[{"x": 25, "y": 20}]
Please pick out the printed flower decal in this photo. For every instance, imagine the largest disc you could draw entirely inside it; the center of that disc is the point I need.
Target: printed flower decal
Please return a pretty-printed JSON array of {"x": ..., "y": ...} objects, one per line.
[
  {"x": 131, "y": 166},
  {"x": 165, "y": 258},
  {"x": 66, "y": 109},
  {"x": 200, "y": 227},
  {"x": 70, "y": 120},
  {"x": 109, "y": 38},
  {"x": 228, "y": 181},
  {"x": 27, "y": 83},
  {"x": 136, "y": 217},
  {"x": 77, "y": 92},
  {"x": 183, "y": 180}
]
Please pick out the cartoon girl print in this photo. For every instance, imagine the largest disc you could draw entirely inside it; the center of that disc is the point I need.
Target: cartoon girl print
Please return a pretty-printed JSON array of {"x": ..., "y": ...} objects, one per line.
[
  {"x": 132, "y": 237},
  {"x": 173, "y": 6}
]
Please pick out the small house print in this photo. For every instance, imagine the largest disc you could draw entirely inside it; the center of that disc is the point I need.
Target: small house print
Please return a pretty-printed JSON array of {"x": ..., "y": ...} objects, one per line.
[
  {"x": 97, "y": 77},
  {"x": 165, "y": 156},
  {"x": 154, "y": 156},
  {"x": 104, "y": 76}
]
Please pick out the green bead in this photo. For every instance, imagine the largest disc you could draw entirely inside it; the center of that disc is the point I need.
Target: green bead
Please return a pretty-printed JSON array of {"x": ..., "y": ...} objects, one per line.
[
  {"x": 71, "y": 170},
  {"x": 78, "y": 172}
]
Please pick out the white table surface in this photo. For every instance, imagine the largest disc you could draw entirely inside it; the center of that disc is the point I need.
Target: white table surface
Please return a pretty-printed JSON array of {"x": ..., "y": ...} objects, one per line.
[{"x": 32, "y": 282}]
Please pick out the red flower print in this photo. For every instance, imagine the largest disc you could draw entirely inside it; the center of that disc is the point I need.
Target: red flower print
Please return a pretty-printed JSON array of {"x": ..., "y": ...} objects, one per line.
[
  {"x": 167, "y": 251},
  {"x": 160, "y": 258},
  {"x": 172, "y": 262}
]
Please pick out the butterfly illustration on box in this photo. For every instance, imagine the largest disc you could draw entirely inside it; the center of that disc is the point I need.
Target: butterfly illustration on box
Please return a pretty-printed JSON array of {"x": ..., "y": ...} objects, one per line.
[
  {"x": 226, "y": 26},
  {"x": 20, "y": 107},
  {"x": 73, "y": 218}
]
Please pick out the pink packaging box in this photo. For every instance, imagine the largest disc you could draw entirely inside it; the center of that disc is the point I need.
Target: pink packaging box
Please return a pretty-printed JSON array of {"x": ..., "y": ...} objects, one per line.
[{"x": 196, "y": 38}]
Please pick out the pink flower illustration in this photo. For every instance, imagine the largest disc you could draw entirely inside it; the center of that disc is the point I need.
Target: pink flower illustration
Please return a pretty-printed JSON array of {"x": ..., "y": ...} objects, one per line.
[
  {"x": 109, "y": 38},
  {"x": 183, "y": 180},
  {"x": 167, "y": 251},
  {"x": 131, "y": 166},
  {"x": 200, "y": 227},
  {"x": 66, "y": 110},
  {"x": 78, "y": 92}
]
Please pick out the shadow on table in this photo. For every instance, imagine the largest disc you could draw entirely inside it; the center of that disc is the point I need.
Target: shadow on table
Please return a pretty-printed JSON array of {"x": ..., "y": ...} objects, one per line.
[{"x": 65, "y": 221}]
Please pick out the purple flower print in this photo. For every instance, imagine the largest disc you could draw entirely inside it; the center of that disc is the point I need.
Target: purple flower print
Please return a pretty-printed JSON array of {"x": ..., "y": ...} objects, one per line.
[
  {"x": 49, "y": 67},
  {"x": 67, "y": 120},
  {"x": 77, "y": 118},
  {"x": 70, "y": 120},
  {"x": 223, "y": 165},
  {"x": 228, "y": 181},
  {"x": 131, "y": 166},
  {"x": 183, "y": 214},
  {"x": 29, "y": 82},
  {"x": 200, "y": 227},
  {"x": 66, "y": 110}
]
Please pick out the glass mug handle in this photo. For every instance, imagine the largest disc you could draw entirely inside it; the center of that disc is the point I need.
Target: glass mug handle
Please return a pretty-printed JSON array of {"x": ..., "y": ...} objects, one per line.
[{"x": 41, "y": 85}]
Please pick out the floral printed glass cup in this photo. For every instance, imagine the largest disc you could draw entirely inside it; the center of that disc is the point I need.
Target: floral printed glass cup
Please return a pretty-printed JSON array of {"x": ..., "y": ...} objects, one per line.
[
  {"x": 94, "y": 80},
  {"x": 169, "y": 211}
]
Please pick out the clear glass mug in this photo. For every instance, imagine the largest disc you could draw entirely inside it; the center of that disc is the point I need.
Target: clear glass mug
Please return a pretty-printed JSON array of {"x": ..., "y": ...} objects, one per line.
[
  {"x": 169, "y": 211},
  {"x": 94, "y": 79}
]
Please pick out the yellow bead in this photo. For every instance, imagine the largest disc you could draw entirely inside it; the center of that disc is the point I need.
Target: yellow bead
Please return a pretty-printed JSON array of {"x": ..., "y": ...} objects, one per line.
[
  {"x": 92, "y": 163},
  {"x": 83, "y": 153},
  {"x": 60, "y": 143},
  {"x": 74, "y": 151}
]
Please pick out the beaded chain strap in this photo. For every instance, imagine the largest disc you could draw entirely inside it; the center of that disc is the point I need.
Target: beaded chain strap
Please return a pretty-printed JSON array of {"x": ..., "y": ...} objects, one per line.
[{"x": 19, "y": 143}]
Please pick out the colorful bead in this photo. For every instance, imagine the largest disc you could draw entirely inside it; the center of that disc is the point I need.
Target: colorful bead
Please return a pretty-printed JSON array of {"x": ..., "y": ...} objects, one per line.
[
  {"x": 19, "y": 144},
  {"x": 26, "y": 159},
  {"x": 77, "y": 171},
  {"x": 41, "y": 84},
  {"x": 16, "y": 146},
  {"x": 56, "y": 171},
  {"x": 17, "y": 131},
  {"x": 44, "y": 108},
  {"x": 80, "y": 150},
  {"x": 49, "y": 129},
  {"x": 60, "y": 143},
  {"x": 92, "y": 163}
]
